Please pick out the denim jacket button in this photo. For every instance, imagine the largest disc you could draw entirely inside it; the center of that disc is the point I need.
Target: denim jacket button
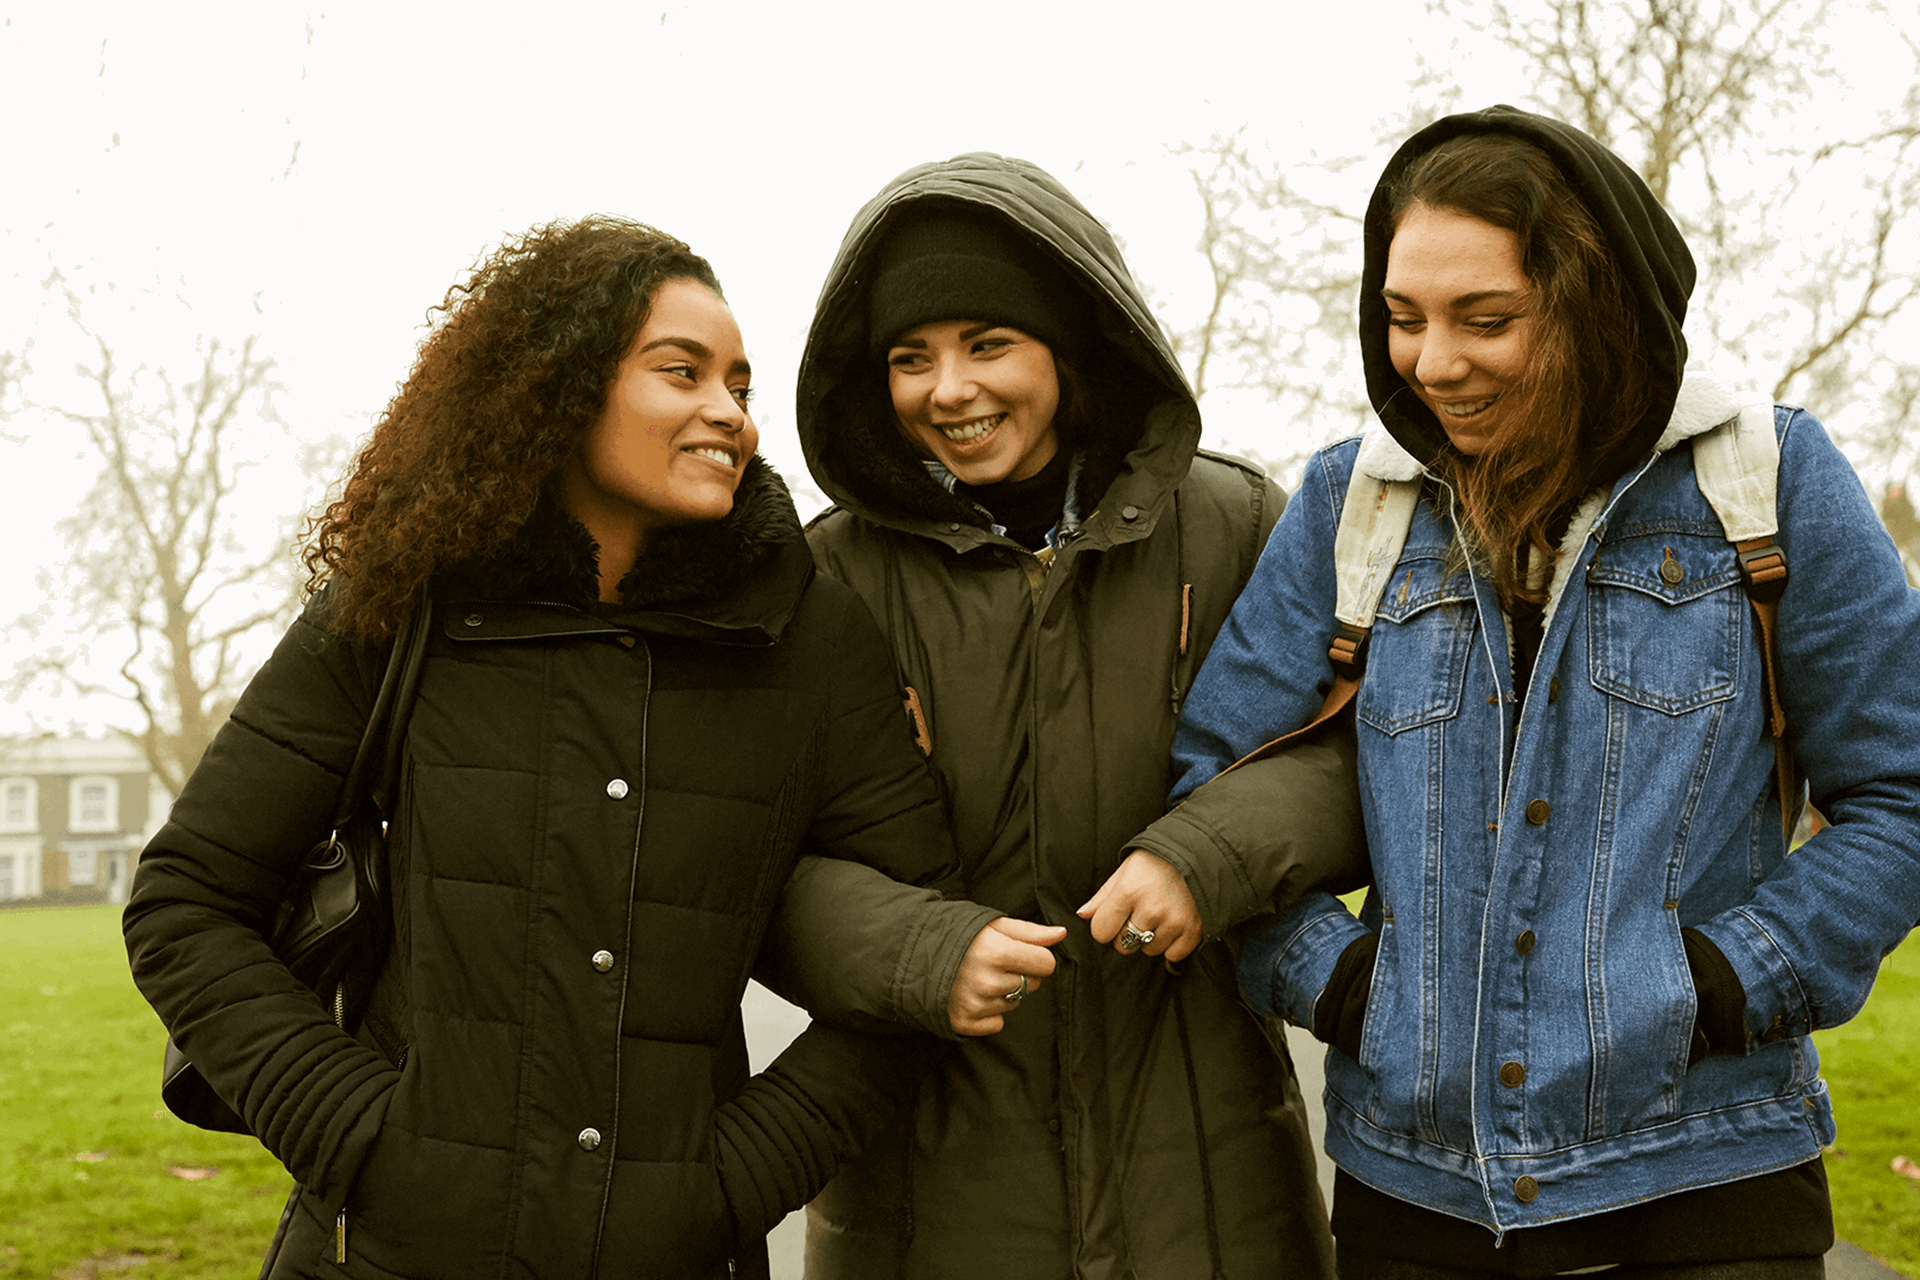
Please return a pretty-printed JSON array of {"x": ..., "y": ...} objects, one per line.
[
  {"x": 1512, "y": 1075},
  {"x": 1525, "y": 1189},
  {"x": 1524, "y": 943},
  {"x": 1538, "y": 812}
]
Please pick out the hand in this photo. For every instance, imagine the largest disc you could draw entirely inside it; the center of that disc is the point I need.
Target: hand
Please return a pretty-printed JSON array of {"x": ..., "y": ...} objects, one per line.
[
  {"x": 1003, "y": 954},
  {"x": 1146, "y": 890}
]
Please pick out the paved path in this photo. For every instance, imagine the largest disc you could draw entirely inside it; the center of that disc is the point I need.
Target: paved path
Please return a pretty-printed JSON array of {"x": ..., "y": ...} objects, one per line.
[{"x": 772, "y": 1022}]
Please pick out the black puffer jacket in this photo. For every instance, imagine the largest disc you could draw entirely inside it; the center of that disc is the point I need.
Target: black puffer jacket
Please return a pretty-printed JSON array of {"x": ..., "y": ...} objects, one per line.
[{"x": 630, "y": 780}]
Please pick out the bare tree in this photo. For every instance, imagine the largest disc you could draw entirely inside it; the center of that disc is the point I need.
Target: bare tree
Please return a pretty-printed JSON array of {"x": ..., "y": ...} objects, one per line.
[
  {"x": 1801, "y": 200},
  {"x": 1281, "y": 239},
  {"x": 169, "y": 576},
  {"x": 1283, "y": 268},
  {"x": 13, "y": 372}
]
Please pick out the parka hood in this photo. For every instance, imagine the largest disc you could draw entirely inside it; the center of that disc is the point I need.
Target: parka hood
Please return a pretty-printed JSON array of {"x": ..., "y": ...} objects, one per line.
[
  {"x": 1654, "y": 259},
  {"x": 846, "y": 425}
]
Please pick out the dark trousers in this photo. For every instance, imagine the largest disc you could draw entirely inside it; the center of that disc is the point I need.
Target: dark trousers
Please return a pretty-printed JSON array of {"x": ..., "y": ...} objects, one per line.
[{"x": 1354, "y": 1264}]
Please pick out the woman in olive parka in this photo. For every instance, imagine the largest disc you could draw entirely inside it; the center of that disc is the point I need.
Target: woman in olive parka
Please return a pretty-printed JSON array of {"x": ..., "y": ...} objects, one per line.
[{"x": 1012, "y": 452}]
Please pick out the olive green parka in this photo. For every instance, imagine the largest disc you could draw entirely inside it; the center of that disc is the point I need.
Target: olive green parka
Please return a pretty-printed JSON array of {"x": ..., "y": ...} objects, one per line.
[{"x": 1131, "y": 1120}]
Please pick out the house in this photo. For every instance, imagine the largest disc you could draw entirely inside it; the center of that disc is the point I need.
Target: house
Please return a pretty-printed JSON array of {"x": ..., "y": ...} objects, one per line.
[{"x": 74, "y": 814}]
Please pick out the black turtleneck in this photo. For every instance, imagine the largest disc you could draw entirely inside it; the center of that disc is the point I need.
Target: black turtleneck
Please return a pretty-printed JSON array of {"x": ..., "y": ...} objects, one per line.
[{"x": 1028, "y": 509}]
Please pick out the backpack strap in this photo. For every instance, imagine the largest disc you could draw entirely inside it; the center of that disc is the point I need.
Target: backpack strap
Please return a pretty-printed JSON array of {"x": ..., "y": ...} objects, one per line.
[
  {"x": 1373, "y": 530},
  {"x": 1737, "y": 466}
]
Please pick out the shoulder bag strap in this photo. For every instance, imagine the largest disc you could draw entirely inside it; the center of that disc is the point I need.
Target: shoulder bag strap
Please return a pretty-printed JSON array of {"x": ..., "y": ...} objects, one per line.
[{"x": 391, "y": 707}]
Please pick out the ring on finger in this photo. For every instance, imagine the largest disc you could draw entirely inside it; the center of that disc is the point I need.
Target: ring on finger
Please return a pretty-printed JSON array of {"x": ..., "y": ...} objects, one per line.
[
  {"x": 1019, "y": 993},
  {"x": 1133, "y": 938}
]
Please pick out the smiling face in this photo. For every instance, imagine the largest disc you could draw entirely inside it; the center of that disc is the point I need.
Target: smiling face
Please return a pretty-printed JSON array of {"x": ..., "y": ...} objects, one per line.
[
  {"x": 674, "y": 437},
  {"x": 1460, "y": 330},
  {"x": 977, "y": 398}
]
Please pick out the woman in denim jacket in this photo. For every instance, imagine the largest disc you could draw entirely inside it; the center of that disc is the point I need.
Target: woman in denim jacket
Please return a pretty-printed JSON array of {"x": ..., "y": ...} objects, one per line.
[{"x": 1570, "y": 1027}]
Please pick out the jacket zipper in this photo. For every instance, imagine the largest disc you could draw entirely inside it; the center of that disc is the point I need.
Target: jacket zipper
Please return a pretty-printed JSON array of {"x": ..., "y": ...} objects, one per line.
[{"x": 340, "y": 1222}]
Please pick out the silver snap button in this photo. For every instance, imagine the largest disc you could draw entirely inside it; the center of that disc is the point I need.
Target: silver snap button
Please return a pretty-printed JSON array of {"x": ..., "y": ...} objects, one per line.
[
  {"x": 589, "y": 1139},
  {"x": 617, "y": 788},
  {"x": 1129, "y": 513},
  {"x": 603, "y": 960},
  {"x": 474, "y": 619}
]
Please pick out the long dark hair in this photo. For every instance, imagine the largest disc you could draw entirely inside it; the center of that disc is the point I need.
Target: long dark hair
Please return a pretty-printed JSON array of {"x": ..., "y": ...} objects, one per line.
[
  {"x": 1587, "y": 382},
  {"x": 515, "y": 371}
]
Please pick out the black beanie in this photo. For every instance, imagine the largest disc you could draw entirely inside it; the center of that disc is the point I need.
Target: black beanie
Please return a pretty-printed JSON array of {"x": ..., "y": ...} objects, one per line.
[{"x": 947, "y": 264}]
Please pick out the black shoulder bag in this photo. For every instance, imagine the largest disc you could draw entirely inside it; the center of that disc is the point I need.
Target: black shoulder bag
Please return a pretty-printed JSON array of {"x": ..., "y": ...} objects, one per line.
[{"x": 332, "y": 929}]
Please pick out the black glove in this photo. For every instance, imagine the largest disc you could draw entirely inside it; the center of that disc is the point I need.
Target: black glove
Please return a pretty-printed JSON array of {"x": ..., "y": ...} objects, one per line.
[
  {"x": 1721, "y": 1024},
  {"x": 1338, "y": 1017}
]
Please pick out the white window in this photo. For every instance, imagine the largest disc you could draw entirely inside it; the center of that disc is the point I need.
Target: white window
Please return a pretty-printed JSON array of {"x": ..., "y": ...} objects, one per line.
[
  {"x": 80, "y": 866},
  {"x": 93, "y": 804},
  {"x": 6, "y": 877},
  {"x": 19, "y": 802}
]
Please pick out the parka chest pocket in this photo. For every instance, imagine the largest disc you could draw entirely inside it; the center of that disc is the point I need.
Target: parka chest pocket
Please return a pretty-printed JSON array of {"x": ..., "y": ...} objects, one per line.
[
  {"x": 1422, "y": 636},
  {"x": 1663, "y": 618}
]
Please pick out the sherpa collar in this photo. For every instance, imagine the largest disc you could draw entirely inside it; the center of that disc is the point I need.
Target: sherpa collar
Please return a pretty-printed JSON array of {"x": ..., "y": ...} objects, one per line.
[
  {"x": 742, "y": 572},
  {"x": 1706, "y": 400}
]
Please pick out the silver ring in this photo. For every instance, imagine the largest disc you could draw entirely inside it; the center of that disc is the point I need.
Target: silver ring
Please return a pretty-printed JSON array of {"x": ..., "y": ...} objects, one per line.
[
  {"x": 1132, "y": 938},
  {"x": 1019, "y": 993}
]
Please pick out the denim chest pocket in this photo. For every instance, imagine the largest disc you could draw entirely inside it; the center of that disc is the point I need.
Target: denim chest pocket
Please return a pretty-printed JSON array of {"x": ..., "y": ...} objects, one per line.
[
  {"x": 1663, "y": 616},
  {"x": 1417, "y": 658}
]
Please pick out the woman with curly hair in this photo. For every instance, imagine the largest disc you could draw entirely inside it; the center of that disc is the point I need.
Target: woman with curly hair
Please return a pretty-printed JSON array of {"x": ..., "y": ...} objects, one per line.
[{"x": 638, "y": 701}]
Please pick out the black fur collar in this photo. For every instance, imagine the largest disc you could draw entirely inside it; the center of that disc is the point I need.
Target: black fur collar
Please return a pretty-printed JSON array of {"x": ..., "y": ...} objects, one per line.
[{"x": 554, "y": 559}]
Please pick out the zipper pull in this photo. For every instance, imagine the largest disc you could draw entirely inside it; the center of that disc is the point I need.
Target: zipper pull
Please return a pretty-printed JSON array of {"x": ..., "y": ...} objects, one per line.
[{"x": 340, "y": 1237}]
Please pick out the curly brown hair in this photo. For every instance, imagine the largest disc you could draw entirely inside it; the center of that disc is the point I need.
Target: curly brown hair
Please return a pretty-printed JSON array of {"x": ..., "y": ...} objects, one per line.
[
  {"x": 1588, "y": 382},
  {"x": 516, "y": 369}
]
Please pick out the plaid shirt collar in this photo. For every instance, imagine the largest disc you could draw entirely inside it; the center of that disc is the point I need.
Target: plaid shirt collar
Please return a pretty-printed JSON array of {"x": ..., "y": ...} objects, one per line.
[{"x": 1063, "y": 529}]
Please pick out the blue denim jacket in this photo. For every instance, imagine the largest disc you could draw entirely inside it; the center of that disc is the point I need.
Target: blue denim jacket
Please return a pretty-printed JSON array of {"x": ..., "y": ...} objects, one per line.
[{"x": 1524, "y": 1057}]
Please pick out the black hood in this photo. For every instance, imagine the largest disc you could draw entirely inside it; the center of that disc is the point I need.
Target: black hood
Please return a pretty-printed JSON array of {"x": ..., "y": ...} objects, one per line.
[
  {"x": 1657, "y": 266},
  {"x": 858, "y": 456}
]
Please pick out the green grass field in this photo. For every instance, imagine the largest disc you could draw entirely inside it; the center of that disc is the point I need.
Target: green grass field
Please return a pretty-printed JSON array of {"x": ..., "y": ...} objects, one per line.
[
  {"x": 1872, "y": 1064},
  {"x": 86, "y": 1187},
  {"x": 87, "y": 1154}
]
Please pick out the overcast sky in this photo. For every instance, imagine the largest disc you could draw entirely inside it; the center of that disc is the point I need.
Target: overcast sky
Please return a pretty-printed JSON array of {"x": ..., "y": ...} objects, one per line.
[
  {"x": 347, "y": 165},
  {"x": 321, "y": 177}
]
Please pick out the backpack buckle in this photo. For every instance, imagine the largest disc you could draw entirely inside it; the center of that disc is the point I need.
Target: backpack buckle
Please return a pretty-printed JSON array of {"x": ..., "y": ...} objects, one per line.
[
  {"x": 1348, "y": 650},
  {"x": 1763, "y": 572}
]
